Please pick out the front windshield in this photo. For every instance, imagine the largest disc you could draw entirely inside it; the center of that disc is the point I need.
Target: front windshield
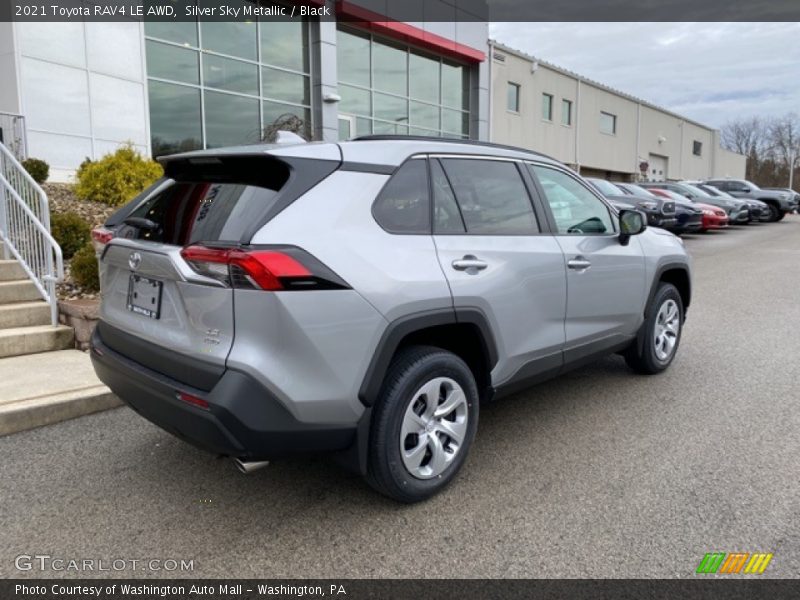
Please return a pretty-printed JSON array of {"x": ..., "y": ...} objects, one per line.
[
  {"x": 640, "y": 191},
  {"x": 753, "y": 185},
  {"x": 697, "y": 190},
  {"x": 606, "y": 187},
  {"x": 716, "y": 192}
]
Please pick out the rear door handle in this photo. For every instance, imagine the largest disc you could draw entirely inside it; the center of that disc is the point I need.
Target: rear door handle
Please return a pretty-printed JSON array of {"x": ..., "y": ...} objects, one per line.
[
  {"x": 579, "y": 263},
  {"x": 469, "y": 262}
]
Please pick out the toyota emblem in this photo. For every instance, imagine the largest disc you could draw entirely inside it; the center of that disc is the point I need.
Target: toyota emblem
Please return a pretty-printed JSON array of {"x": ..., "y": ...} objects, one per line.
[{"x": 134, "y": 260}]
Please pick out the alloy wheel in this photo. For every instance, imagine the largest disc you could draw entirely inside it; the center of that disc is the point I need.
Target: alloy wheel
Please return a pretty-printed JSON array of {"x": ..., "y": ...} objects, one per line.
[{"x": 667, "y": 328}]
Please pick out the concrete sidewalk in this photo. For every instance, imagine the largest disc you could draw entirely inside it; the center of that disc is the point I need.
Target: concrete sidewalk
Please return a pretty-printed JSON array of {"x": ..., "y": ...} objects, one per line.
[{"x": 46, "y": 388}]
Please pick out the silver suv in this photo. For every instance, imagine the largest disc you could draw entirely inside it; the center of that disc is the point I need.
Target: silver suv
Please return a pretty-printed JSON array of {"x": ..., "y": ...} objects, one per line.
[{"x": 364, "y": 298}]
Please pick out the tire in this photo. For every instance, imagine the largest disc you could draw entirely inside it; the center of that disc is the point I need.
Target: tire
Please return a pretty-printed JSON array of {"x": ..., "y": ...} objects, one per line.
[
  {"x": 780, "y": 217},
  {"x": 775, "y": 214},
  {"x": 644, "y": 356},
  {"x": 439, "y": 454}
]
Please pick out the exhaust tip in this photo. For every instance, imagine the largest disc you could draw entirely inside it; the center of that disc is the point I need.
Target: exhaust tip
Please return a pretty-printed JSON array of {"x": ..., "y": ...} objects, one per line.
[{"x": 248, "y": 466}]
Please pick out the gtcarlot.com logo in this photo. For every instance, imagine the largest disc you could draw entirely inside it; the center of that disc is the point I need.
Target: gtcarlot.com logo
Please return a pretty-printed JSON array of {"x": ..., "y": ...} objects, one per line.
[
  {"x": 45, "y": 562},
  {"x": 734, "y": 563}
]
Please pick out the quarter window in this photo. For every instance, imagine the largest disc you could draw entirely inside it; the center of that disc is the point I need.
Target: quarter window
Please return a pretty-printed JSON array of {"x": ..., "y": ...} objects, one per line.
[
  {"x": 575, "y": 209},
  {"x": 403, "y": 205},
  {"x": 491, "y": 196}
]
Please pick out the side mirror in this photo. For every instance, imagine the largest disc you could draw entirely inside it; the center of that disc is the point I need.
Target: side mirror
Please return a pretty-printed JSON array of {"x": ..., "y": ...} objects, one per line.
[{"x": 631, "y": 222}]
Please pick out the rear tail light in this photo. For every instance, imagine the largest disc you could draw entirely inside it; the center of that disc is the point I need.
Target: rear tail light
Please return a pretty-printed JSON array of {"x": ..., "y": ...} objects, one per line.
[
  {"x": 100, "y": 237},
  {"x": 279, "y": 268}
]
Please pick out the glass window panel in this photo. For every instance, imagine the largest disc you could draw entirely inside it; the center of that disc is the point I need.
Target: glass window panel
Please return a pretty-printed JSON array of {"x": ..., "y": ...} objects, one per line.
[
  {"x": 455, "y": 121},
  {"x": 608, "y": 123},
  {"x": 512, "y": 101},
  {"x": 285, "y": 44},
  {"x": 547, "y": 107},
  {"x": 174, "y": 118},
  {"x": 285, "y": 116},
  {"x": 425, "y": 132},
  {"x": 382, "y": 127},
  {"x": 390, "y": 108},
  {"x": 353, "y": 52},
  {"x": 230, "y": 120},
  {"x": 425, "y": 115},
  {"x": 363, "y": 126},
  {"x": 455, "y": 86},
  {"x": 575, "y": 209},
  {"x": 446, "y": 216},
  {"x": 424, "y": 77},
  {"x": 354, "y": 101},
  {"x": 227, "y": 74},
  {"x": 491, "y": 196},
  {"x": 282, "y": 85},
  {"x": 566, "y": 112},
  {"x": 234, "y": 38},
  {"x": 171, "y": 62},
  {"x": 184, "y": 33},
  {"x": 345, "y": 129},
  {"x": 403, "y": 206},
  {"x": 390, "y": 69}
]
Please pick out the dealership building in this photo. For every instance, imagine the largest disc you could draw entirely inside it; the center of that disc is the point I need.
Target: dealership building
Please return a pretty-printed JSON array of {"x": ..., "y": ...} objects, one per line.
[
  {"x": 80, "y": 89},
  {"x": 598, "y": 131}
]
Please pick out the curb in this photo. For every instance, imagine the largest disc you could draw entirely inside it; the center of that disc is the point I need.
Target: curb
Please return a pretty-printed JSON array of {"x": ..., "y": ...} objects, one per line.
[{"x": 46, "y": 410}]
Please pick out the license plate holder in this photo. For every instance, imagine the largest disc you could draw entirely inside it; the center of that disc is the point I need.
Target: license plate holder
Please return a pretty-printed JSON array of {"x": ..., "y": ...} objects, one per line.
[{"x": 144, "y": 296}]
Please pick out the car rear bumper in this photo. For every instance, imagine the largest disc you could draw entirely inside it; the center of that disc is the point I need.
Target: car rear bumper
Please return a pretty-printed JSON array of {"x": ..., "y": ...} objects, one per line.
[{"x": 243, "y": 419}]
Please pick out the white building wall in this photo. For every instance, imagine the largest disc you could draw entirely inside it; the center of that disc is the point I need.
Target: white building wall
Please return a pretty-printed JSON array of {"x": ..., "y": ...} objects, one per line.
[
  {"x": 82, "y": 90},
  {"x": 9, "y": 92},
  {"x": 645, "y": 133}
]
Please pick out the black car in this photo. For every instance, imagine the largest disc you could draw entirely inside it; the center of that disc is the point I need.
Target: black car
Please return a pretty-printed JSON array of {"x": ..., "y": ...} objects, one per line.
[
  {"x": 659, "y": 212},
  {"x": 759, "y": 211}
]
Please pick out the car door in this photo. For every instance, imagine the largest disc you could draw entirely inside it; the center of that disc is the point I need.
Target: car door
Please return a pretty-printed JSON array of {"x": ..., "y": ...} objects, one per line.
[
  {"x": 605, "y": 279},
  {"x": 497, "y": 259}
]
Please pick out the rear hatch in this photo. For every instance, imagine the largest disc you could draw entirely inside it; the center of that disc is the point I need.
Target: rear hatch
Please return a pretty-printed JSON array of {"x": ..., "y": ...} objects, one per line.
[{"x": 163, "y": 306}]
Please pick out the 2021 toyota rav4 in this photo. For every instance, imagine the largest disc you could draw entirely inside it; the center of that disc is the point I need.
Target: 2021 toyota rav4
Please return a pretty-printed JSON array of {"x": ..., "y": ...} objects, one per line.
[{"x": 366, "y": 297}]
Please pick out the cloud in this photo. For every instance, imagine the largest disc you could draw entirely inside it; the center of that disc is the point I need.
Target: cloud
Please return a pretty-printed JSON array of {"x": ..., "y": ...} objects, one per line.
[{"x": 709, "y": 72}]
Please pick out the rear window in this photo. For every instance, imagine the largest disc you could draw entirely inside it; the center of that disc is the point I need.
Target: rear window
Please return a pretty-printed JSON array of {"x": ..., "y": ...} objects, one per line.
[{"x": 209, "y": 202}]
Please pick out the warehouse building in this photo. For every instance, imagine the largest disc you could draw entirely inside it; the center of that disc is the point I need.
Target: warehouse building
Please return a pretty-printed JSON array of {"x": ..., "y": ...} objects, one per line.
[
  {"x": 76, "y": 90},
  {"x": 598, "y": 131}
]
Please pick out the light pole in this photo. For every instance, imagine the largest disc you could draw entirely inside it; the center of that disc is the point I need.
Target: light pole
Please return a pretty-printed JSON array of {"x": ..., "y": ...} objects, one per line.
[{"x": 792, "y": 158}]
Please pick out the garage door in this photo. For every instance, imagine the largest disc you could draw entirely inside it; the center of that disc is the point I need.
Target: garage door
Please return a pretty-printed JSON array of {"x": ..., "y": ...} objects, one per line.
[{"x": 657, "y": 171}]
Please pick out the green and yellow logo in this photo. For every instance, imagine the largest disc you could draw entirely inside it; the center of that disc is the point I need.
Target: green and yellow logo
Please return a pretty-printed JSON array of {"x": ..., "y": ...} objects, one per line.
[{"x": 734, "y": 562}]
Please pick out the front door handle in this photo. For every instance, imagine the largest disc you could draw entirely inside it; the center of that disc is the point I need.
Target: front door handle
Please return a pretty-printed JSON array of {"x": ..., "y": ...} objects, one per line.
[
  {"x": 579, "y": 263},
  {"x": 469, "y": 263}
]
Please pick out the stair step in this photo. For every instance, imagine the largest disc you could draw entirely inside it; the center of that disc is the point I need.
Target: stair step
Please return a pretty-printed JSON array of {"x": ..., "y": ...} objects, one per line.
[
  {"x": 17, "y": 341},
  {"x": 18, "y": 291},
  {"x": 11, "y": 270},
  {"x": 24, "y": 314}
]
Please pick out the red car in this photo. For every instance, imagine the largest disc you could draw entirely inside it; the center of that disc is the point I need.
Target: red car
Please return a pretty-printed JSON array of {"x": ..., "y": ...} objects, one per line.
[{"x": 713, "y": 216}]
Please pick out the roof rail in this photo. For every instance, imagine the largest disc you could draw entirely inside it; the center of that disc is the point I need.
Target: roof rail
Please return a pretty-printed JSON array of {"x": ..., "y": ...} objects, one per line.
[{"x": 425, "y": 138}]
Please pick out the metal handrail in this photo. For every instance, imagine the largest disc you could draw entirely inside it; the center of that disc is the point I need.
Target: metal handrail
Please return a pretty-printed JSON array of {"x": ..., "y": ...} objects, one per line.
[{"x": 25, "y": 229}]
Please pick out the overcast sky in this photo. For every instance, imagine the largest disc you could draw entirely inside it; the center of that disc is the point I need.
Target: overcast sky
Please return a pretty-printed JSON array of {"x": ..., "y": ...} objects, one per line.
[{"x": 710, "y": 72}]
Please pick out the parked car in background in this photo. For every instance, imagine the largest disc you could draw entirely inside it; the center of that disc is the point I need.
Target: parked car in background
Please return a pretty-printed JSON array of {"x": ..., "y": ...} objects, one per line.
[
  {"x": 688, "y": 216},
  {"x": 659, "y": 212},
  {"x": 795, "y": 196},
  {"x": 780, "y": 203},
  {"x": 454, "y": 272},
  {"x": 736, "y": 209},
  {"x": 759, "y": 211}
]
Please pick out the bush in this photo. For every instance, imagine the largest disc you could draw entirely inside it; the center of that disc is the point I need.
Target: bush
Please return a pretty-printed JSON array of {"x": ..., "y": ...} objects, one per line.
[
  {"x": 37, "y": 168},
  {"x": 71, "y": 232},
  {"x": 116, "y": 178},
  {"x": 84, "y": 269}
]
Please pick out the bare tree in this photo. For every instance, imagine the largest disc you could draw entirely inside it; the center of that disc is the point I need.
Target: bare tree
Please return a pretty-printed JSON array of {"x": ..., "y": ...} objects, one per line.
[
  {"x": 746, "y": 136},
  {"x": 784, "y": 138}
]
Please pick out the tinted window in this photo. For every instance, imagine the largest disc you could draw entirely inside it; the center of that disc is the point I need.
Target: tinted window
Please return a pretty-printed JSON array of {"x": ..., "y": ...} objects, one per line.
[
  {"x": 208, "y": 202},
  {"x": 575, "y": 209},
  {"x": 446, "y": 216},
  {"x": 491, "y": 196},
  {"x": 403, "y": 205}
]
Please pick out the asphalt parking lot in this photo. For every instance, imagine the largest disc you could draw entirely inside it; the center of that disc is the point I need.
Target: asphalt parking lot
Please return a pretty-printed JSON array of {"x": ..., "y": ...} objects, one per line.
[{"x": 600, "y": 473}]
